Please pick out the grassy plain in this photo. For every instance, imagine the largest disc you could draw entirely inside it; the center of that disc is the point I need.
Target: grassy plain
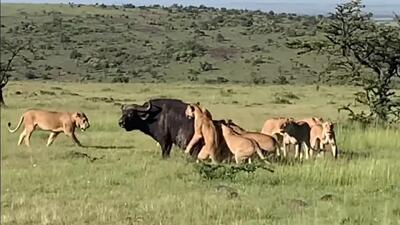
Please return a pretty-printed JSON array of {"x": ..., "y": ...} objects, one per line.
[{"x": 123, "y": 179}]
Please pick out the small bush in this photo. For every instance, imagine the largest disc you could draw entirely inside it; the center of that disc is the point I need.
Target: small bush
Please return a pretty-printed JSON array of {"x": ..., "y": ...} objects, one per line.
[
  {"x": 30, "y": 75},
  {"x": 220, "y": 38},
  {"x": 120, "y": 79},
  {"x": 206, "y": 66},
  {"x": 75, "y": 54},
  {"x": 226, "y": 172},
  {"x": 280, "y": 100},
  {"x": 257, "y": 79},
  {"x": 280, "y": 80},
  {"x": 288, "y": 95}
]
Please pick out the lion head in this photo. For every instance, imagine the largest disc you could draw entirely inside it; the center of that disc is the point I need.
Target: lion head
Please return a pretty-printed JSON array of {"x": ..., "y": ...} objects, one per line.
[
  {"x": 81, "y": 120},
  {"x": 328, "y": 128},
  {"x": 285, "y": 124},
  {"x": 189, "y": 112}
]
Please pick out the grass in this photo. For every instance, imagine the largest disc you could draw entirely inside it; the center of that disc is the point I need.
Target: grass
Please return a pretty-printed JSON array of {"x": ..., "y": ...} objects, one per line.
[{"x": 123, "y": 180}]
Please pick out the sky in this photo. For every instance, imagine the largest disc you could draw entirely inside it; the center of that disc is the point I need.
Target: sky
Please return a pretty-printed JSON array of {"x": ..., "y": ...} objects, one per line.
[{"x": 214, "y": 2}]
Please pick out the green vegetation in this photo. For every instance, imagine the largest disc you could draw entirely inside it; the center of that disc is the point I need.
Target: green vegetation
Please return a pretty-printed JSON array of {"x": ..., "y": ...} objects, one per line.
[
  {"x": 121, "y": 179},
  {"x": 368, "y": 54}
]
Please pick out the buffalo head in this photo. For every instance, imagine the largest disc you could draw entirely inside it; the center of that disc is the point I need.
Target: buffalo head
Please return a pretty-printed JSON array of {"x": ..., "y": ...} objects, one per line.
[{"x": 133, "y": 116}]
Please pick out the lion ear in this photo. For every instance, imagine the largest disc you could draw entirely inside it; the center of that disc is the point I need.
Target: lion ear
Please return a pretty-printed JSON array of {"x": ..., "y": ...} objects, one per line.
[{"x": 75, "y": 115}]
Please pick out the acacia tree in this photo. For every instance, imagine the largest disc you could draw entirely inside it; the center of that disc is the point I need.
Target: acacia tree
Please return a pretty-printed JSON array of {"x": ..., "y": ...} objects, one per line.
[
  {"x": 11, "y": 50},
  {"x": 367, "y": 54}
]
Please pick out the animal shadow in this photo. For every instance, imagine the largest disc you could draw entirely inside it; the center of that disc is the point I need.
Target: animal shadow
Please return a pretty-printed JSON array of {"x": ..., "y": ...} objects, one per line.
[
  {"x": 350, "y": 155},
  {"x": 109, "y": 147}
]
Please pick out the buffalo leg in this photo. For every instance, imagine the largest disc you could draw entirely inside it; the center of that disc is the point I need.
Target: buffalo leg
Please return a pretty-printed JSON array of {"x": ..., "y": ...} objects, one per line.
[{"x": 166, "y": 149}]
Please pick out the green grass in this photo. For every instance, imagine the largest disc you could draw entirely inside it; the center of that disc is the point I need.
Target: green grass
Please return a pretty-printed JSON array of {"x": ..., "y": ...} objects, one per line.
[{"x": 129, "y": 183}]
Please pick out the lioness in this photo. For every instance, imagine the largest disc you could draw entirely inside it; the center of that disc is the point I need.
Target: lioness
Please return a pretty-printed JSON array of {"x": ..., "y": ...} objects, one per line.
[
  {"x": 241, "y": 147},
  {"x": 205, "y": 111},
  {"x": 312, "y": 121},
  {"x": 203, "y": 128},
  {"x": 323, "y": 134},
  {"x": 266, "y": 142},
  {"x": 272, "y": 127},
  {"x": 297, "y": 134},
  {"x": 55, "y": 122}
]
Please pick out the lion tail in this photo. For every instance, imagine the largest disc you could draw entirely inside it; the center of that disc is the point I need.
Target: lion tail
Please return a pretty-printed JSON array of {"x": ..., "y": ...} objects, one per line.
[{"x": 19, "y": 124}]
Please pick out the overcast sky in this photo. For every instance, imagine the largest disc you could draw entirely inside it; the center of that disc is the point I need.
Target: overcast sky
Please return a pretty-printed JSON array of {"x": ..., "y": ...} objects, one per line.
[{"x": 211, "y": 2}]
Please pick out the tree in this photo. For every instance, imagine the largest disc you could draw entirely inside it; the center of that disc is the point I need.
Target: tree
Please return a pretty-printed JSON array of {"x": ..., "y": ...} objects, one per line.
[
  {"x": 11, "y": 50},
  {"x": 365, "y": 53}
]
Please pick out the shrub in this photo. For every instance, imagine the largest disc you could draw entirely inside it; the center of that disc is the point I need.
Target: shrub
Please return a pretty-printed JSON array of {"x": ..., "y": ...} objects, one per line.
[
  {"x": 280, "y": 100},
  {"x": 120, "y": 79},
  {"x": 220, "y": 38},
  {"x": 75, "y": 54},
  {"x": 205, "y": 66},
  {"x": 280, "y": 80},
  {"x": 257, "y": 79},
  {"x": 30, "y": 75}
]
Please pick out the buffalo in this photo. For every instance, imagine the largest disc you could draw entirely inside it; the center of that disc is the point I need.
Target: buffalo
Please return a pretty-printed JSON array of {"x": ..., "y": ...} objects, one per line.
[{"x": 164, "y": 120}]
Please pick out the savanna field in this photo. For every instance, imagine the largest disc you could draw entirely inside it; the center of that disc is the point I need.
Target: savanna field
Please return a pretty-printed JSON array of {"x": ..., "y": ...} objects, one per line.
[
  {"x": 238, "y": 64},
  {"x": 120, "y": 178}
]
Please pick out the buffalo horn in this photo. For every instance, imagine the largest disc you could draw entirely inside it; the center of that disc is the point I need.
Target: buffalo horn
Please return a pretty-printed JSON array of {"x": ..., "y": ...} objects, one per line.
[{"x": 144, "y": 109}]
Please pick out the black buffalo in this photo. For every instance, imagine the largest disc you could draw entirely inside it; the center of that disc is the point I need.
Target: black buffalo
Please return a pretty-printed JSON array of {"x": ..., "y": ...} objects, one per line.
[{"x": 165, "y": 121}]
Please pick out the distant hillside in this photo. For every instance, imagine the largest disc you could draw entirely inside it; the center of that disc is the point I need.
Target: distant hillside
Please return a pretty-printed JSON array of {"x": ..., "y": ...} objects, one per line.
[
  {"x": 380, "y": 9},
  {"x": 157, "y": 44}
]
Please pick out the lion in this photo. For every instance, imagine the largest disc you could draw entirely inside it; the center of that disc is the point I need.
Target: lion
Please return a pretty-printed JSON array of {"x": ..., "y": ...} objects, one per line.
[
  {"x": 297, "y": 133},
  {"x": 241, "y": 147},
  {"x": 323, "y": 134},
  {"x": 272, "y": 127},
  {"x": 205, "y": 111},
  {"x": 203, "y": 128},
  {"x": 312, "y": 121},
  {"x": 266, "y": 142},
  {"x": 55, "y": 122}
]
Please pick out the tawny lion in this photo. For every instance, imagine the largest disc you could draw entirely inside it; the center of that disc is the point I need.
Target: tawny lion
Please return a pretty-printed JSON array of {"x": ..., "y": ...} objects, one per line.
[
  {"x": 203, "y": 128},
  {"x": 266, "y": 142},
  {"x": 323, "y": 134},
  {"x": 55, "y": 122},
  {"x": 312, "y": 121},
  {"x": 272, "y": 127},
  {"x": 241, "y": 147}
]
